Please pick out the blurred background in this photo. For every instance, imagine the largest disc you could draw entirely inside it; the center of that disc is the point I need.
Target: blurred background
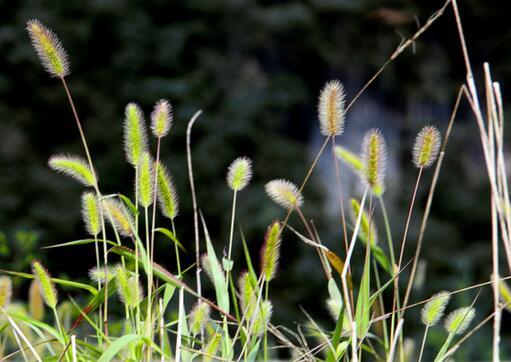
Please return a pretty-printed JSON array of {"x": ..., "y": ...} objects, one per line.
[{"x": 255, "y": 68}]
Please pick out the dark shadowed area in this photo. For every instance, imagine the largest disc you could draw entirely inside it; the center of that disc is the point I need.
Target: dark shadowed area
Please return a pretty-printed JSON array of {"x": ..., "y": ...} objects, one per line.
[{"x": 255, "y": 69}]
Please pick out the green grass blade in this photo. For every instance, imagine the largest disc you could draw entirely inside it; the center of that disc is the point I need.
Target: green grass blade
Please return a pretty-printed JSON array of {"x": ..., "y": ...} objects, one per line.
[
  {"x": 169, "y": 234},
  {"x": 117, "y": 346},
  {"x": 77, "y": 242}
]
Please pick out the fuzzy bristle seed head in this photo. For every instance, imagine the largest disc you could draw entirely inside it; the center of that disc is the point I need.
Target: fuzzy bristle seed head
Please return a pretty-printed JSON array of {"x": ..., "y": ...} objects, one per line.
[
  {"x": 5, "y": 291},
  {"x": 46, "y": 285},
  {"x": 91, "y": 213},
  {"x": 374, "y": 156},
  {"x": 349, "y": 158},
  {"x": 199, "y": 316},
  {"x": 75, "y": 167},
  {"x": 458, "y": 321},
  {"x": 247, "y": 294},
  {"x": 49, "y": 49},
  {"x": 98, "y": 274},
  {"x": 135, "y": 136},
  {"x": 426, "y": 147},
  {"x": 284, "y": 193},
  {"x": 206, "y": 265},
  {"x": 167, "y": 194},
  {"x": 35, "y": 301},
  {"x": 434, "y": 309},
  {"x": 331, "y": 109},
  {"x": 128, "y": 288},
  {"x": 270, "y": 251},
  {"x": 263, "y": 318},
  {"x": 239, "y": 173},
  {"x": 119, "y": 216},
  {"x": 161, "y": 118},
  {"x": 145, "y": 186}
]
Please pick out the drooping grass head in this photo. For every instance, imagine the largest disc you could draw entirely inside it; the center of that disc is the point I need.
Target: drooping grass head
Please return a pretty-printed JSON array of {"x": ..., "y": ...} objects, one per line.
[
  {"x": 331, "y": 109},
  {"x": 426, "y": 147},
  {"x": 75, "y": 167},
  {"x": 46, "y": 285},
  {"x": 284, "y": 193},
  {"x": 458, "y": 321},
  {"x": 434, "y": 309},
  {"x": 167, "y": 195},
  {"x": 119, "y": 216},
  {"x": 374, "y": 158},
  {"x": 270, "y": 251},
  {"x": 239, "y": 173},
  {"x": 52, "y": 54}
]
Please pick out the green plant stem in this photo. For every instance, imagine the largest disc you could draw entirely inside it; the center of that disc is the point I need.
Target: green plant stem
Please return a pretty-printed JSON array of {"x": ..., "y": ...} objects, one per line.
[
  {"x": 265, "y": 345},
  {"x": 176, "y": 248},
  {"x": 149, "y": 283},
  {"x": 423, "y": 342}
]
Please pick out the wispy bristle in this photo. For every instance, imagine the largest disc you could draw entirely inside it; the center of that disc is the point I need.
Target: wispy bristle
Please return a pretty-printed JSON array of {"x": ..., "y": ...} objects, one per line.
[
  {"x": 49, "y": 49},
  {"x": 433, "y": 310},
  {"x": 374, "y": 157},
  {"x": 284, "y": 193},
  {"x": 458, "y": 321},
  {"x": 161, "y": 118},
  {"x": 35, "y": 301},
  {"x": 46, "y": 285},
  {"x": 426, "y": 147},
  {"x": 5, "y": 291},
  {"x": 239, "y": 173},
  {"x": 135, "y": 136},
  {"x": 199, "y": 316},
  {"x": 145, "y": 186},
  {"x": 331, "y": 109},
  {"x": 270, "y": 251},
  {"x": 167, "y": 194},
  {"x": 119, "y": 216},
  {"x": 91, "y": 213},
  {"x": 73, "y": 166}
]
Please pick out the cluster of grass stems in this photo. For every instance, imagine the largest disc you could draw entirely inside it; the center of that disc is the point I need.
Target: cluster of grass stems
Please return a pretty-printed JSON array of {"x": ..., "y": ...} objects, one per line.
[{"x": 237, "y": 325}]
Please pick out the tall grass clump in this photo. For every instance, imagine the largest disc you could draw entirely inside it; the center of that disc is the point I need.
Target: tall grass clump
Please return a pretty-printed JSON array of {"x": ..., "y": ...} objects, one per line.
[{"x": 133, "y": 308}]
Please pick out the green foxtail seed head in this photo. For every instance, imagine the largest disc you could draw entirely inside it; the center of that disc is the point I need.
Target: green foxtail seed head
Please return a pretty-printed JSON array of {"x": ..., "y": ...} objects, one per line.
[
  {"x": 263, "y": 318},
  {"x": 270, "y": 251},
  {"x": 366, "y": 230},
  {"x": 167, "y": 194},
  {"x": 331, "y": 109},
  {"x": 434, "y": 309},
  {"x": 199, "y": 316},
  {"x": 98, "y": 275},
  {"x": 91, "y": 213},
  {"x": 212, "y": 347},
  {"x": 206, "y": 265},
  {"x": 505, "y": 295},
  {"x": 426, "y": 147},
  {"x": 135, "y": 137},
  {"x": 145, "y": 180},
  {"x": 239, "y": 173},
  {"x": 374, "y": 157},
  {"x": 284, "y": 193},
  {"x": 5, "y": 291},
  {"x": 46, "y": 285},
  {"x": 458, "y": 321},
  {"x": 127, "y": 288},
  {"x": 119, "y": 216},
  {"x": 48, "y": 48},
  {"x": 349, "y": 158},
  {"x": 247, "y": 294},
  {"x": 75, "y": 167},
  {"x": 35, "y": 301},
  {"x": 161, "y": 118}
]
